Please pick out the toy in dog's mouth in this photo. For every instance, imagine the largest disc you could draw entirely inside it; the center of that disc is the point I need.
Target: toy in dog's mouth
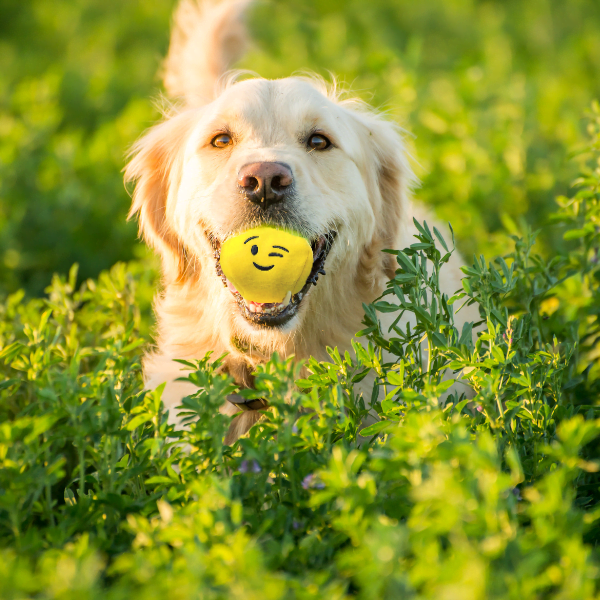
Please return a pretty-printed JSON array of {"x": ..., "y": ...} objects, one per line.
[{"x": 274, "y": 314}]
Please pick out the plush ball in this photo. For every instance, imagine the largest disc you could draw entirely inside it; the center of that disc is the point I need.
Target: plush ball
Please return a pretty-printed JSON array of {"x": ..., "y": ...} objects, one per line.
[{"x": 265, "y": 263}]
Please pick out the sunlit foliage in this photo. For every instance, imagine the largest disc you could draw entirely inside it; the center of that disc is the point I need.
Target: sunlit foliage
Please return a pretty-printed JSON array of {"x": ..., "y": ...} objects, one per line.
[
  {"x": 492, "y": 91},
  {"x": 418, "y": 488},
  {"x": 492, "y": 494}
]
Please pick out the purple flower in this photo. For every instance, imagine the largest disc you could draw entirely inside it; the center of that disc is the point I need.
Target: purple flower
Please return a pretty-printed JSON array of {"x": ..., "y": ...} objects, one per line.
[
  {"x": 250, "y": 466},
  {"x": 294, "y": 428},
  {"x": 296, "y": 524},
  {"x": 310, "y": 481},
  {"x": 517, "y": 494}
]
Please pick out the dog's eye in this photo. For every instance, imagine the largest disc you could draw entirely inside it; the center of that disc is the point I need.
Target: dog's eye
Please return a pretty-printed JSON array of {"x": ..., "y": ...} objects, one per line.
[
  {"x": 222, "y": 140},
  {"x": 318, "y": 142}
]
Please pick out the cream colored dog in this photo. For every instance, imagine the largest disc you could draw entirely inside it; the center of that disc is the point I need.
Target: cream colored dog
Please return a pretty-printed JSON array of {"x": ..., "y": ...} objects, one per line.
[{"x": 235, "y": 154}]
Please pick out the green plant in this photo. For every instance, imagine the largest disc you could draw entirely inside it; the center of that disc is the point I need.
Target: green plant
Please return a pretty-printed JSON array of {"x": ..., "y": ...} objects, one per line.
[
  {"x": 485, "y": 488},
  {"x": 493, "y": 92}
]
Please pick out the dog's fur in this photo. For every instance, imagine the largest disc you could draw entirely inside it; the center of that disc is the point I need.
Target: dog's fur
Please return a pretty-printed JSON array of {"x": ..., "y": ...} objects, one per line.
[{"x": 186, "y": 196}]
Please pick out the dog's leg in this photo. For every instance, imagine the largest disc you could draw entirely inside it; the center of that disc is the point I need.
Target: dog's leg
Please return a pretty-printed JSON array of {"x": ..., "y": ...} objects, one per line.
[
  {"x": 249, "y": 415},
  {"x": 241, "y": 425}
]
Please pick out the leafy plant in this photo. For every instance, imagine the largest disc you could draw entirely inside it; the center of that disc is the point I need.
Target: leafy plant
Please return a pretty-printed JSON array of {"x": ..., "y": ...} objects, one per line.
[
  {"x": 493, "y": 92},
  {"x": 428, "y": 463}
]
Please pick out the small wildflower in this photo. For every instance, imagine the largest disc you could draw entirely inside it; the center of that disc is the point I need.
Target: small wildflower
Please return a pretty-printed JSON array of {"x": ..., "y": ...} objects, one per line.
[
  {"x": 479, "y": 408},
  {"x": 517, "y": 494},
  {"x": 306, "y": 481},
  {"x": 249, "y": 466},
  {"x": 294, "y": 428},
  {"x": 296, "y": 524},
  {"x": 310, "y": 481}
]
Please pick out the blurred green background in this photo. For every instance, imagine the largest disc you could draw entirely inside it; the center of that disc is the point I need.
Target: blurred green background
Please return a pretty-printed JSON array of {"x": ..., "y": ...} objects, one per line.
[{"x": 494, "y": 93}]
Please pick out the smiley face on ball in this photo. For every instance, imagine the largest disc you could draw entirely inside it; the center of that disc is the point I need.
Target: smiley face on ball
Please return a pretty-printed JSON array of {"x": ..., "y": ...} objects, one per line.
[
  {"x": 265, "y": 263},
  {"x": 254, "y": 250}
]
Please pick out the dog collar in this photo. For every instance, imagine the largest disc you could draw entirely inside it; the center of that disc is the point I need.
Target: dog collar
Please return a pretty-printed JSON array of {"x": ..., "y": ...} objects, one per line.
[{"x": 254, "y": 404}]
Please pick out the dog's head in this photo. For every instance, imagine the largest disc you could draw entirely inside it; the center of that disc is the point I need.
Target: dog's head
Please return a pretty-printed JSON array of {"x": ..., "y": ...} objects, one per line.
[{"x": 285, "y": 152}]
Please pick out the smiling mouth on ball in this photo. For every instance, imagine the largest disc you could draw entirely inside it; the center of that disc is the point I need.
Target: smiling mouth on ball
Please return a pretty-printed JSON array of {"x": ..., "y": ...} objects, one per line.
[
  {"x": 273, "y": 314},
  {"x": 261, "y": 268}
]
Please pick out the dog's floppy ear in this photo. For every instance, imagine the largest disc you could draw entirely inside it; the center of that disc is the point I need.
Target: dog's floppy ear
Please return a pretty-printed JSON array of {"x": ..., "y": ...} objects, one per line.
[
  {"x": 156, "y": 169},
  {"x": 394, "y": 180}
]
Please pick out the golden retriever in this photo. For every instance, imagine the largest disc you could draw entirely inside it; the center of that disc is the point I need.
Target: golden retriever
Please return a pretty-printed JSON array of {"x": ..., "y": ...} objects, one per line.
[{"x": 238, "y": 153}]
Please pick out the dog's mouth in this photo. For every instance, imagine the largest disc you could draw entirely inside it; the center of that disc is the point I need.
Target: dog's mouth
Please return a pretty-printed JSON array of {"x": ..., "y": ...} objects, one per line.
[{"x": 274, "y": 314}]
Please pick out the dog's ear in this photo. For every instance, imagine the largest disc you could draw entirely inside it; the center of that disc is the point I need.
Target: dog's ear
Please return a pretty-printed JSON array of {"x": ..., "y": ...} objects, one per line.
[
  {"x": 394, "y": 179},
  {"x": 156, "y": 169}
]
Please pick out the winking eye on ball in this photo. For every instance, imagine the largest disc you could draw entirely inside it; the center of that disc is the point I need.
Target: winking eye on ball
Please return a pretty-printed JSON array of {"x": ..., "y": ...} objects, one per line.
[{"x": 270, "y": 268}]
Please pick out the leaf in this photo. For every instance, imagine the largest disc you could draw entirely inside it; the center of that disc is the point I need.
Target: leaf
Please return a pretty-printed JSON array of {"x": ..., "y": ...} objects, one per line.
[
  {"x": 575, "y": 234},
  {"x": 498, "y": 354},
  {"x": 8, "y": 382},
  {"x": 466, "y": 335},
  {"x": 405, "y": 262},
  {"x": 395, "y": 378},
  {"x": 454, "y": 298},
  {"x": 438, "y": 340},
  {"x": 378, "y": 427},
  {"x": 458, "y": 407},
  {"x": 137, "y": 421},
  {"x": 386, "y": 307},
  {"x": 404, "y": 277},
  {"x": 444, "y": 386},
  {"x": 439, "y": 236},
  {"x": 305, "y": 384},
  {"x": 133, "y": 345},
  {"x": 360, "y": 376},
  {"x": 12, "y": 351},
  {"x": 419, "y": 227},
  {"x": 69, "y": 497},
  {"x": 157, "y": 479},
  {"x": 367, "y": 331},
  {"x": 40, "y": 425},
  {"x": 44, "y": 320}
]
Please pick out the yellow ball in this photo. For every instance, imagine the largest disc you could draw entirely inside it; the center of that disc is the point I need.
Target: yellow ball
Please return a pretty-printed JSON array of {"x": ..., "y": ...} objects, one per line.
[{"x": 265, "y": 263}]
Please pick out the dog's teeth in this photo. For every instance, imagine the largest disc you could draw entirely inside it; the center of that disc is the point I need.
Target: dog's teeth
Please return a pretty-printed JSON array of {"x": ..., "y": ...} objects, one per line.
[{"x": 287, "y": 299}]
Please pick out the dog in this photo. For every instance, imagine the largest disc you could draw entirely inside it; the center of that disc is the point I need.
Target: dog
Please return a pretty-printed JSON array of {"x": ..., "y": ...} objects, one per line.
[{"x": 235, "y": 152}]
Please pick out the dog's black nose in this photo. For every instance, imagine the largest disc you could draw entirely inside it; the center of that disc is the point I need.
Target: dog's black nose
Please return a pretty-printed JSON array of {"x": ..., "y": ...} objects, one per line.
[{"x": 265, "y": 183}]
